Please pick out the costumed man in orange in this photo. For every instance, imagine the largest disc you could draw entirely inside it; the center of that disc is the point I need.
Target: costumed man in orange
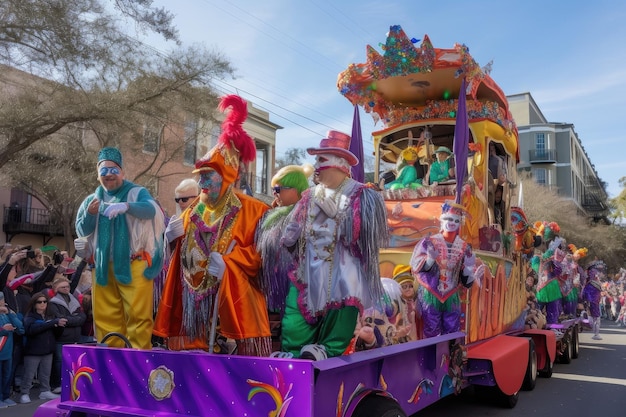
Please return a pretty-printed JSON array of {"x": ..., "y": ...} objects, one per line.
[
  {"x": 526, "y": 238},
  {"x": 215, "y": 255},
  {"x": 337, "y": 229},
  {"x": 440, "y": 263}
]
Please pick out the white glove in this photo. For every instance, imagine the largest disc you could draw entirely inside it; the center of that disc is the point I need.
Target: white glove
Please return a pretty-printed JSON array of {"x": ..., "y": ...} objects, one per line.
[
  {"x": 292, "y": 234},
  {"x": 217, "y": 266},
  {"x": 174, "y": 230},
  {"x": 82, "y": 247},
  {"x": 328, "y": 206},
  {"x": 469, "y": 264},
  {"x": 431, "y": 256},
  {"x": 114, "y": 209}
]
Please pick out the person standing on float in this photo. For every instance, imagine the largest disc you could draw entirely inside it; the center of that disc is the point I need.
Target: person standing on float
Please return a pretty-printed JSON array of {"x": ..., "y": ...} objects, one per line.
[{"x": 336, "y": 229}]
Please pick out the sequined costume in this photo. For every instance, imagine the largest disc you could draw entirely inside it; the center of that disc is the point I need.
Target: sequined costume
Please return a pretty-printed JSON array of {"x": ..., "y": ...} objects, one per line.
[
  {"x": 189, "y": 291},
  {"x": 337, "y": 272},
  {"x": 215, "y": 256},
  {"x": 438, "y": 291},
  {"x": 592, "y": 294}
]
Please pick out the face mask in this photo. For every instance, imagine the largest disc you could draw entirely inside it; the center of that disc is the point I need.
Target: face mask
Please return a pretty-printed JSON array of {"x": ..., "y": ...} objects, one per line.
[
  {"x": 450, "y": 222},
  {"x": 211, "y": 184}
]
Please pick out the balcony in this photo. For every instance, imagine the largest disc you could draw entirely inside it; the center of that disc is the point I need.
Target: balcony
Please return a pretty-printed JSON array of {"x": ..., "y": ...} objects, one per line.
[
  {"x": 542, "y": 156},
  {"x": 17, "y": 220}
]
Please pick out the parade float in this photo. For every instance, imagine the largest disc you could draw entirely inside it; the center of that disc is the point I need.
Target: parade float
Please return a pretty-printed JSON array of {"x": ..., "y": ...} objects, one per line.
[{"x": 420, "y": 95}]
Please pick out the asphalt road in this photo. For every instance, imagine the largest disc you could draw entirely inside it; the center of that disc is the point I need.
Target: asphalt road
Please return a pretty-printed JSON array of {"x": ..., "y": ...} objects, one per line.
[{"x": 592, "y": 385}]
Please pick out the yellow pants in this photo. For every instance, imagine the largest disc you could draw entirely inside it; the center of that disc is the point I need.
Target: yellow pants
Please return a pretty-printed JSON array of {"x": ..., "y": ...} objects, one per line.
[{"x": 125, "y": 309}]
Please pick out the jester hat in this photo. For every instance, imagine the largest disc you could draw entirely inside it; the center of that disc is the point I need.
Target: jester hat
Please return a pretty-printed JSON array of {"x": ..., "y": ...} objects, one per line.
[{"x": 234, "y": 146}]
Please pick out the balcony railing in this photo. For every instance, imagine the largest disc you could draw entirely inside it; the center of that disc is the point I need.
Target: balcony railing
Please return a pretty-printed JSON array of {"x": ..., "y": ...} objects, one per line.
[
  {"x": 542, "y": 156},
  {"x": 35, "y": 221}
]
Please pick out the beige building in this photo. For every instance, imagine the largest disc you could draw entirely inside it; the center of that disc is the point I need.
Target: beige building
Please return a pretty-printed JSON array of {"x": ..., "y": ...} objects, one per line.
[
  {"x": 25, "y": 221},
  {"x": 556, "y": 158}
]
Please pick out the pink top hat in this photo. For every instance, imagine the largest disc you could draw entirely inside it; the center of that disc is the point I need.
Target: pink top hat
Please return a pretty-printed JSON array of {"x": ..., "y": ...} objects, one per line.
[{"x": 336, "y": 143}]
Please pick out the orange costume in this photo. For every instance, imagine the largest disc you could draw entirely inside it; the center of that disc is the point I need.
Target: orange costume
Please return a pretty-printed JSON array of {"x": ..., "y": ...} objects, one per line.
[{"x": 226, "y": 228}]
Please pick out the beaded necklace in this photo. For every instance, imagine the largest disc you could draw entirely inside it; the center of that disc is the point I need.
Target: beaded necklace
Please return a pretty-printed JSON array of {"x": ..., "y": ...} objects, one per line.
[
  {"x": 209, "y": 231},
  {"x": 326, "y": 253}
]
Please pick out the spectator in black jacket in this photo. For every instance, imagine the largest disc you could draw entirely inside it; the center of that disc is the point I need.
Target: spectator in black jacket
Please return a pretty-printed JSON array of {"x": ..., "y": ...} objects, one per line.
[
  {"x": 41, "y": 329},
  {"x": 64, "y": 305}
]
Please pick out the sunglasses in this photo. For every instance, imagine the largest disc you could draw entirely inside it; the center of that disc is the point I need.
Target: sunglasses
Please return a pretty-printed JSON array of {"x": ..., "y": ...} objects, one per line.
[
  {"x": 104, "y": 171},
  {"x": 42, "y": 301},
  {"x": 278, "y": 188},
  {"x": 183, "y": 199}
]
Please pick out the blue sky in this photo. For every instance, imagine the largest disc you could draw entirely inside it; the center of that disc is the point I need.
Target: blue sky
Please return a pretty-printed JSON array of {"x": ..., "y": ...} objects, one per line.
[{"x": 571, "y": 56}]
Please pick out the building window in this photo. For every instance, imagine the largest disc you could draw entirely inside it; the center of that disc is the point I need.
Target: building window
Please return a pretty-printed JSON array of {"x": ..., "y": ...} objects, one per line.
[
  {"x": 152, "y": 137},
  {"x": 540, "y": 176},
  {"x": 540, "y": 145},
  {"x": 191, "y": 136}
]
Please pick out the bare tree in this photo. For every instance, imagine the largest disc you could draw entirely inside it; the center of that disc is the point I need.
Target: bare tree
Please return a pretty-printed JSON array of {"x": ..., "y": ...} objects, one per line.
[
  {"x": 606, "y": 242},
  {"x": 293, "y": 156},
  {"x": 67, "y": 68}
]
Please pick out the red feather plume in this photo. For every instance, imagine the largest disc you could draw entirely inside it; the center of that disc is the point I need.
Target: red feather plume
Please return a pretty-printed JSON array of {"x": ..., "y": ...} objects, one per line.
[{"x": 233, "y": 134}]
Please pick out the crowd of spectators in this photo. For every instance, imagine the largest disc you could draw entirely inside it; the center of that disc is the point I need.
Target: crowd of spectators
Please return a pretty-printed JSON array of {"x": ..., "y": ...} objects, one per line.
[
  {"x": 613, "y": 301},
  {"x": 46, "y": 295}
]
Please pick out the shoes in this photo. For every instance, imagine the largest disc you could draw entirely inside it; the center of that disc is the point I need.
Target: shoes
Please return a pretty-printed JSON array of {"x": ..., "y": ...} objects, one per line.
[
  {"x": 3, "y": 404},
  {"x": 9, "y": 402},
  {"x": 282, "y": 355},
  {"x": 24, "y": 399},
  {"x": 57, "y": 390},
  {"x": 48, "y": 395},
  {"x": 313, "y": 352},
  {"x": 596, "y": 337}
]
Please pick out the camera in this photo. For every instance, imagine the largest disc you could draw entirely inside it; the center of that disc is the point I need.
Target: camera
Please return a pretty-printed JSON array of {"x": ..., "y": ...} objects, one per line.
[
  {"x": 30, "y": 254},
  {"x": 57, "y": 258}
]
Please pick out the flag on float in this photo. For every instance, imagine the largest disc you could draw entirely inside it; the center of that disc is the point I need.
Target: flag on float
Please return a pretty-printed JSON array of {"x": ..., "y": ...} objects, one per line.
[
  {"x": 461, "y": 141},
  {"x": 356, "y": 146}
]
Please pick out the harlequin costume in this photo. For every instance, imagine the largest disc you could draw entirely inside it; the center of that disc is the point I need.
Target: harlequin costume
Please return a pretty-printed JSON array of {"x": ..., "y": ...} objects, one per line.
[
  {"x": 440, "y": 264},
  {"x": 596, "y": 270},
  {"x": 336, "y": 275},
  {"x": 228, "y": 228},
  {"x": 128, "y": 256},
  {"x": 570, "y": 280},
  {"x": 549, "y": 269}
]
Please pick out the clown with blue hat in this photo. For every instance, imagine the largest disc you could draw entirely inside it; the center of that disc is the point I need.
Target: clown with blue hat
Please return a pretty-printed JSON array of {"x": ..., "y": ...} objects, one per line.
[{"x": 121, "y": 226}]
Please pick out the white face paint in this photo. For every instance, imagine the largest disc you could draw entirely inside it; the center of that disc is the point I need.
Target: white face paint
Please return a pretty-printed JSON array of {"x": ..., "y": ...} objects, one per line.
[
  {"x": 450, "y": 222},
  {"x": 325, "y": 161}
]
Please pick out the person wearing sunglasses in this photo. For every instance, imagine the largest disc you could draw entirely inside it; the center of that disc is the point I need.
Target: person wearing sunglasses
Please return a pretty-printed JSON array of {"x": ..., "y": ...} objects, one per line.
[
  {"x": 215, "y": 261},
  {"x": 288, "y": 185},
  {"x": 41, "y": 330},
  {"x": 118, "y": 219},
  {"x": 185, "y": 194}
]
